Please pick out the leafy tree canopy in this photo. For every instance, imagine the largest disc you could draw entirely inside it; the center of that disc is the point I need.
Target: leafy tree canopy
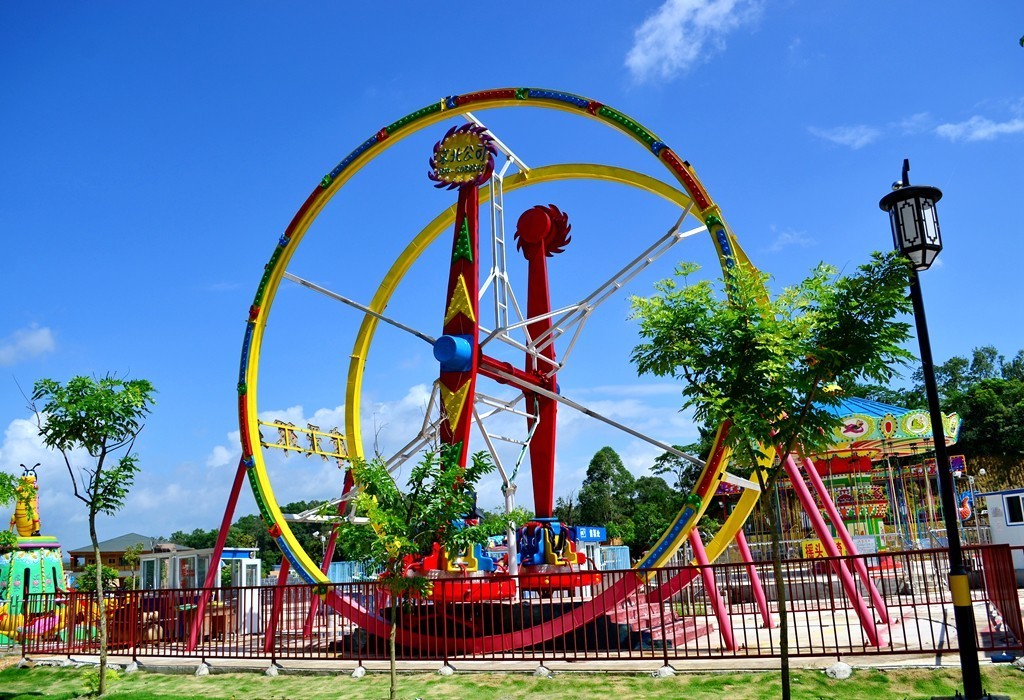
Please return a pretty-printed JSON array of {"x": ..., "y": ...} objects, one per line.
[
  {"x": 766, "y": 364},
  {"x": 86, "y": 579}
]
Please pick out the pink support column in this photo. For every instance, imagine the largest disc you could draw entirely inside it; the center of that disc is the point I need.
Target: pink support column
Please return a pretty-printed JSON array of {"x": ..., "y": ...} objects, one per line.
[
  {"x": 307, "y": 627},
  {"x": 844, "y": 535},
  {"x": 867, "y": 620},
  {"x": 214, "y": 569},
  {"x": 275, "y": 614},
  {"x": 708, "y": 574},
  {"x": 755, "y": 581}
]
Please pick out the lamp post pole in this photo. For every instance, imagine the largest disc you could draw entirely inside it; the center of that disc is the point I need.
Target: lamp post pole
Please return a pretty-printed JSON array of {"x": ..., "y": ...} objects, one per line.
[{"x": 916, "y": 235}]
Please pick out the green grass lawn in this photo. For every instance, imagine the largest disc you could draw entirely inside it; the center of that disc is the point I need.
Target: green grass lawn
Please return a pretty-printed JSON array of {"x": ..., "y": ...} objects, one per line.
[{"x": 45, "y": 682}]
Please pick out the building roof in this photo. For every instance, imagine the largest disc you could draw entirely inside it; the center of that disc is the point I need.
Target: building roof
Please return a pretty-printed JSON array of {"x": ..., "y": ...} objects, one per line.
[{"x": 119, "y": 544}]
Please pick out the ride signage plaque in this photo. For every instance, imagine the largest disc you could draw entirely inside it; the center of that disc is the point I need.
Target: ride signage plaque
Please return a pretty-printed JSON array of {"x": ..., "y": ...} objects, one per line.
[{"x": 464, "y": 156}]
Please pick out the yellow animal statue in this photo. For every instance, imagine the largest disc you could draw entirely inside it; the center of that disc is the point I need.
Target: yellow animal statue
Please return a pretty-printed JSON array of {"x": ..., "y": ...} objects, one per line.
[{"x": 26, "y": 511}]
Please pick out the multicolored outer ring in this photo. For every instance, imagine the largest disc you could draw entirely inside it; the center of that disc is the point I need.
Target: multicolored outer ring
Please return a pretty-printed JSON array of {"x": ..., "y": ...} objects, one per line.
[{"x": 728, "y": 250}]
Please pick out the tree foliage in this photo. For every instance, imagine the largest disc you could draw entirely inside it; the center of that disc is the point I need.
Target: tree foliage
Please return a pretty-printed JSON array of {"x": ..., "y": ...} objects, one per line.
[
  {"x": 682, "y": 472},
  {"x": 11, "y": 491},
  {"x": 764, "y": 364},
  {"x": 439, "y": 495},
  {"x": 102, "y": 418},
  {"x": 86, "y": 578},
  {"x": 605, "y": 494}
]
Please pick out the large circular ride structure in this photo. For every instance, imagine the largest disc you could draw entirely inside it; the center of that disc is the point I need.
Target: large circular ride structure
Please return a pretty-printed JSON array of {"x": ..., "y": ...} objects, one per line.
[{"x": 539, "y": 395}]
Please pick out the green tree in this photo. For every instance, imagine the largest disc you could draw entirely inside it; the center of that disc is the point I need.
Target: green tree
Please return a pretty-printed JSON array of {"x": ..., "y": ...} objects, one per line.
[
  {"x": 440, "y": 494},
  {"x": 1014, "y": 369},
  {"x": 683, "y": 473},
  {"x": 197, "y": 539},
  {"x": 655, "y": 504},
  {"x": 764, "y": 366},
  {"x": 101, "y": 417},
  {"x": 606, "y": 494},
  {"x": 567, "y": 509},
  {"x": 13, "y": 490},
  {"x": 131, "y": 557},
  {"x": 495, "y": 522},
  {"x": 86, "y": 579}
]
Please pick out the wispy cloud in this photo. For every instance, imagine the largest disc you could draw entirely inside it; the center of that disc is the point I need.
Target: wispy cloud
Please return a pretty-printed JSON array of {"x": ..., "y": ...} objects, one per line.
[
  {"x": 26, "y": 343},
  {"x": 915, "y": 123},
  {"x": 854, "y": 137},
  {"x": 681, "y": 33},
  {"x": 980, "y": 129},
  {"x": 789, "y": 238}
]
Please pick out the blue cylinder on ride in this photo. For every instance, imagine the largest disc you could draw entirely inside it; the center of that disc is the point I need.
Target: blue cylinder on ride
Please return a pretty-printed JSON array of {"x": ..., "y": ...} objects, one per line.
[{"x": 454, "y": 352}]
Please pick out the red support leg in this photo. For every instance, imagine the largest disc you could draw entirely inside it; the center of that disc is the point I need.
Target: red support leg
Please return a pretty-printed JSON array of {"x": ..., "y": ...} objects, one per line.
[
  {"x": 708, "y": 574},
  {"x": 844, "y": 535},
  {"x": 755, "y": 581},
  {"x": 214, "y": 570},
  {"x": 307, "y": 627},
  {"x": 867, "y": 620},
  {"x": 275, "y": 613}
]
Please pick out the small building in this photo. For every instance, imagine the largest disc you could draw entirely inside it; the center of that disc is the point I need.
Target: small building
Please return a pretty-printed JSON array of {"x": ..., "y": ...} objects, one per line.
[
  {"x": 184, "y": 569},
  {"x": 112, "y": 553},
  {"x": 173, "y": 566},
  {"x": 1006, "y": 520}
]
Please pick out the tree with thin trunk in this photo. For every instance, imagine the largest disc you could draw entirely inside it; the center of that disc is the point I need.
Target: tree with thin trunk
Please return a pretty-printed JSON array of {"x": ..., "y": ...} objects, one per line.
[
  {"x": 132, "y": 555},
  {"x": 432, "y": 511},
  {"x": 100, "y": 417},
  {"x": 769, "y": 368}
]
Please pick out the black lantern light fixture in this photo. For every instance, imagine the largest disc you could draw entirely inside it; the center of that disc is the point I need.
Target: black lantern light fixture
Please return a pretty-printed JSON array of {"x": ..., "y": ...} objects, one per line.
[{"x": 915, "y": 224}]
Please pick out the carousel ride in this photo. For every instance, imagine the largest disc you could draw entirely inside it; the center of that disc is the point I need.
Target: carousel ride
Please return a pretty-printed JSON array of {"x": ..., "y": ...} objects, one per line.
[{"x": 488, "y": 340}]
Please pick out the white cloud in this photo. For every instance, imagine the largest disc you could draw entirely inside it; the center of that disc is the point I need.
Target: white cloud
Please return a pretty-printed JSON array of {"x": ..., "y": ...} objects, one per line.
[
  {"x": 915, "y": 123},
  {"x": 789, "y": 238},
  {"x": 220, "y": 456},
  {"x": 26, "y": 343},
  {"x": 681, "y": 33},
  {"x": 980, "y": 129},
  {"x": 854, "y": 137}
]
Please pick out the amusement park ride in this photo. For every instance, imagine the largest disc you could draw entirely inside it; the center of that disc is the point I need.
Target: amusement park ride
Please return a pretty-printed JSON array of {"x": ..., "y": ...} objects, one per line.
[{"x": 542, "y": 552}]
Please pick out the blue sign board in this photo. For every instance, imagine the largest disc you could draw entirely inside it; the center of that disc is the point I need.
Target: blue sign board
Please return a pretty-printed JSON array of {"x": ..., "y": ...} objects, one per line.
[{"x": 589, "y": 533}]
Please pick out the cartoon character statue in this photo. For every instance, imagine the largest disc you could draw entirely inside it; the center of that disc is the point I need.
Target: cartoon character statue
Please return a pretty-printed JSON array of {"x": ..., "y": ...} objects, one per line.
[{"x": 26, "y": 510}]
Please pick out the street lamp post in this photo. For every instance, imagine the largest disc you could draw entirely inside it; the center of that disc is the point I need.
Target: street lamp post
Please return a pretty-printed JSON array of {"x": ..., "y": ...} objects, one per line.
[{"x": 915, "y": 231}]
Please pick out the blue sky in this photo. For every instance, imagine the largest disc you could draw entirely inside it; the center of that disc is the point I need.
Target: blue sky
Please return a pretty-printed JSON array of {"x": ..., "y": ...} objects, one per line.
[{"x": 153, "y": 153}]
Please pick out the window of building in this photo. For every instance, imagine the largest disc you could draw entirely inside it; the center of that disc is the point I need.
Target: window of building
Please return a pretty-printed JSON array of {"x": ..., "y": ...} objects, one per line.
[
  {"x": 149, "y": 581},
  {"x": 111, "y": 560},
  {"x": 1014, "y": 509}
]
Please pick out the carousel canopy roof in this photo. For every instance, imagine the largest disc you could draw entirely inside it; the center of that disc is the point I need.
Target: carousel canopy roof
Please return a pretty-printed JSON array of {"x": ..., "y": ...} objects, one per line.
[{"x": 874, "y": 429}]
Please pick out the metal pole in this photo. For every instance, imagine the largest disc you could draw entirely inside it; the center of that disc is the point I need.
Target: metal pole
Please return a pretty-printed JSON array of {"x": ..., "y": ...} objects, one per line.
[{"x": 963, "y": 611}]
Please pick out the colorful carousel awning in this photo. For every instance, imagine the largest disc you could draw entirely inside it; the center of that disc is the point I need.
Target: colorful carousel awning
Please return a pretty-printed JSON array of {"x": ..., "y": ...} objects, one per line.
[{"x": 876, "y": 430}]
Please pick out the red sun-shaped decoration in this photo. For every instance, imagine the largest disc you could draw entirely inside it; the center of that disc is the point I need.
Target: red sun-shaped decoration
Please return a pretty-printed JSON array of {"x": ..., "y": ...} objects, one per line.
[{"x": 543, "y": 229}]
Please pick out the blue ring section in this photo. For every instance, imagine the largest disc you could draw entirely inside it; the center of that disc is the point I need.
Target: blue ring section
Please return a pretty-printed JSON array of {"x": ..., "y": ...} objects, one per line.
[
  {"x": 574, "y": 100},
  {"x": 669, "y": 538},
  {"x": 283, "y": 546},
  {"x": 723, "y": 242},
  {"x": 246, "y": 342},
  {"x": 360, "y": 149}
]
